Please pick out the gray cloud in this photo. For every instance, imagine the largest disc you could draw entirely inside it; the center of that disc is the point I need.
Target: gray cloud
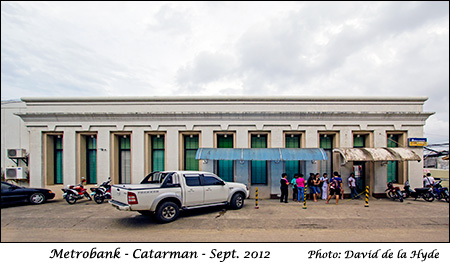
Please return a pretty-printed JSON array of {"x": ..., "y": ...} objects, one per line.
[{"x": 227, "y": 48}]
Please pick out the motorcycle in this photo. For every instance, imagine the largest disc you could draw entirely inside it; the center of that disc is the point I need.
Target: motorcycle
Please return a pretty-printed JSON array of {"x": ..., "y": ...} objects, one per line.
[
  {"x": 425, "y": 193},
  {"x": 394, "y": 192},
  {"x": 440, "y": 192},
  {"x": 75, "y": 192},
  {"x": 102, "y": 192}
]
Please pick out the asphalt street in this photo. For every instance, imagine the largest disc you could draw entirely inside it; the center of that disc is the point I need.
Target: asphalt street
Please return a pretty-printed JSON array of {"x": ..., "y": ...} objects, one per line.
[{"x": 350, "y": 221}]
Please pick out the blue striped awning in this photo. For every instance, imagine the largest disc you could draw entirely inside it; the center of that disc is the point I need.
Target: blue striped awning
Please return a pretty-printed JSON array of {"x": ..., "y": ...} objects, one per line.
[{"x": 261, "y": 154}]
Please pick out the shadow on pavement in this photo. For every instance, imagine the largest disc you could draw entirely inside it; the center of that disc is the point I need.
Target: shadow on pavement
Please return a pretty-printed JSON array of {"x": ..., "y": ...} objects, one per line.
[{"x": 140, "y": 220}]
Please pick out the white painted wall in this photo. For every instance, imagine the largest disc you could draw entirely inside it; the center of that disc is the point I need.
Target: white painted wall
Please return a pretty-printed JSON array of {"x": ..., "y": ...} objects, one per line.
[{"x": 207, "y": 115}]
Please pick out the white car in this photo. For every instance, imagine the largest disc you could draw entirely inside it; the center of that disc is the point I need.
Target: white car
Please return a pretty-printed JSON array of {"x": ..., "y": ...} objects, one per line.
[{"x": 165, "y": 193}]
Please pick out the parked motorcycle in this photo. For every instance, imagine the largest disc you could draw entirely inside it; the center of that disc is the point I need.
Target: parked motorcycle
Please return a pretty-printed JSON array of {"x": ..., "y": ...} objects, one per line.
[
  {"x": 394, "y": 192},
  {"x": 425, "y": 193},
  {"x": 75, "y": 192},
  {"x": 440, "y": 192},
  {"x": 102, "y": 192}
]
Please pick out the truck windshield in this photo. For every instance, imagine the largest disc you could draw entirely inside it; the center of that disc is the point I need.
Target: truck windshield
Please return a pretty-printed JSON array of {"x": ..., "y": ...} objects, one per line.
[{"x": 155, "y": 177}]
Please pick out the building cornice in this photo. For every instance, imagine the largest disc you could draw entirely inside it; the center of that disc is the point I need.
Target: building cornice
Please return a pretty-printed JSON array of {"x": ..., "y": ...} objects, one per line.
[
  {"x": 222, "y": 99},
  {"x": 225, "y": 116}
]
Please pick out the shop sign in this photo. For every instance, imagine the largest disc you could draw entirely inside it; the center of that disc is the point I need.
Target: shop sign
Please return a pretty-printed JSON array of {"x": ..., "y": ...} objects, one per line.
[{"x": 414, "y": 142}]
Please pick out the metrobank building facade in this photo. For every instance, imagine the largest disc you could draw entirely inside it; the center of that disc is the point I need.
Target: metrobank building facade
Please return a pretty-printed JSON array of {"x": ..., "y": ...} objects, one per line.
[{"x": 251, "y": 140}]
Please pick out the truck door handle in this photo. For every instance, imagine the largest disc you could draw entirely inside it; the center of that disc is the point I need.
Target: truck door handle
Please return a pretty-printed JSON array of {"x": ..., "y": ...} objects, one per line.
[
  {"x": 191, "y": 190},
  {"x": 208, "y": 189}
]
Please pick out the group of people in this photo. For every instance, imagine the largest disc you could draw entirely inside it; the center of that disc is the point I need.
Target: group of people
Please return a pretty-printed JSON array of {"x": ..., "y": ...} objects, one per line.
[{"x": 320, "y": 187}]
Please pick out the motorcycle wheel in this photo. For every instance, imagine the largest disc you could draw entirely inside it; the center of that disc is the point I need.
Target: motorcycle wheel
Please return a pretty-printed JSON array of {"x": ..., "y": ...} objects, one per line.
[
  {"x": 428, "y": 197},
  {"x": 99, "y": 198},
  {"x": 446, "y": 195},
  {"x": 70, "y": 199}
]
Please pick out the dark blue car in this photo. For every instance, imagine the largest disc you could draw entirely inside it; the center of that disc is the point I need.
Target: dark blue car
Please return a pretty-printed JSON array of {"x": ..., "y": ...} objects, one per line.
[{"x": 13, "y": 194}]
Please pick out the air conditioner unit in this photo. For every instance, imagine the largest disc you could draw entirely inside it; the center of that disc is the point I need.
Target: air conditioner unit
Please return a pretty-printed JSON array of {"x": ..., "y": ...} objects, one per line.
[
  {"x": 16, "y": 173},
  {"x": 17, "y": 153}
]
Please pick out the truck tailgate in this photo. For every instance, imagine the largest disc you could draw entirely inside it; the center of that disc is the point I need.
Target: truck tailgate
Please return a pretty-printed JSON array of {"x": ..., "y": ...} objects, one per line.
[{"x": 119, "y": 193}]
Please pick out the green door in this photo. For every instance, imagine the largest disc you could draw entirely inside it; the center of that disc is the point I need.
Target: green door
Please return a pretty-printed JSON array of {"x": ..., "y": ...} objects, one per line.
[
  {"x": 392, "y": 166},
  {"x": 190, "y": 150},
  {"x": 158, "y": 153},
  {"x": 259, "y": 168},
  {"x": 225, "y": 167}
]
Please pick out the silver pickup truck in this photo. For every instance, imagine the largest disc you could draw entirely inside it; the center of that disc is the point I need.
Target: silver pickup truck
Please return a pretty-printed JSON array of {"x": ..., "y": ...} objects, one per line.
[{"x": 165, "y": 193}]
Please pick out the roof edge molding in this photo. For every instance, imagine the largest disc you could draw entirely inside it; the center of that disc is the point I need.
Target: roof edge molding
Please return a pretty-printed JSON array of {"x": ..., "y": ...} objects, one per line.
[{"x": 221, "y": 99}]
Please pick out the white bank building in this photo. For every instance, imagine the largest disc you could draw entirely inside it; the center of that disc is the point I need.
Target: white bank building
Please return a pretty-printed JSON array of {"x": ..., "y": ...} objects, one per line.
[{"x": 253, "y": 140}]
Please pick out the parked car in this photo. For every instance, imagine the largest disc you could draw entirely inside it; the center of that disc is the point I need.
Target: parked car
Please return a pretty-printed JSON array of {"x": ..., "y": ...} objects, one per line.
[
  {"x": 13, "y": 194},
  {"x": 164, "y": 194}
]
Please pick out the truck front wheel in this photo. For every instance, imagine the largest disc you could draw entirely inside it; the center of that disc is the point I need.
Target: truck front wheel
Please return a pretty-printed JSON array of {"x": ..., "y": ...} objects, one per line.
[
  {"x": 167, "y": 212},
  {"x": 237, "y": 201}
]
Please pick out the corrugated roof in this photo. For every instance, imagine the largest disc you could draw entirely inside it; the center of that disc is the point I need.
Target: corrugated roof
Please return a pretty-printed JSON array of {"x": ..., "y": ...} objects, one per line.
[{"x": 378, "y": 154}]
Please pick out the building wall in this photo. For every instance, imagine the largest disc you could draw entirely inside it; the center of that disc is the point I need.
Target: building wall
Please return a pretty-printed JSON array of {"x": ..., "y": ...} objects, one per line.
[
  {"x": 14, "y": 133},
  {"x": 174, "y": 116}
]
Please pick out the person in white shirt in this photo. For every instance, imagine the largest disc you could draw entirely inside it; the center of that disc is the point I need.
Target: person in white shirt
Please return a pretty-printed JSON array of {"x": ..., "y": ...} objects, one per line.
[
  {"x": 352, "y": 185},
  {"x": 428, "y": 180},
  {"x": 324, "y": 181}
]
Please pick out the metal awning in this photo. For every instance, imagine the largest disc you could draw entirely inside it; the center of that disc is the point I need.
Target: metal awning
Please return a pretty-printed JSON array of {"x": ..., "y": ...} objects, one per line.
[
  {"x": 378, "y": 154},
  {"x": 261, "y": 154}
]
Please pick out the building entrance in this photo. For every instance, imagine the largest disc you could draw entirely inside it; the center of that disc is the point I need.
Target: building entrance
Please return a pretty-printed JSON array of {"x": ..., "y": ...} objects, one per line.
[{"x": 359, "y": 169}]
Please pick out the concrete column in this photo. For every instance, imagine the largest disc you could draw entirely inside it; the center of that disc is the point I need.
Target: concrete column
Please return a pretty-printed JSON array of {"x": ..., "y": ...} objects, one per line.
[
  {"x": 345, "y": 140},
  {"x": 311, "y": 141},
  {"x": 35, "y": 160},
  {"x": 207, "y": 141},
  {"x": 172, "y": 149},
  {"x": 69, "y": 157},
  {"x": 378, "y": 175},
  {"x": 137, "y": 155},
  {"x": 379, "y": 138},
  {"x": 346, "y": 137},
  {"x": 103, "y": 155},
  {"x": 276, "y": 167},
  {"x": 242, "y": 166}
]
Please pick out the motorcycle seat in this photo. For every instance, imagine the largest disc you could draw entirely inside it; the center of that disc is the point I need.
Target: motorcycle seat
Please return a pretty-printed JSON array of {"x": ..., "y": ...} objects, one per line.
[{"x": 421, "y": 189}]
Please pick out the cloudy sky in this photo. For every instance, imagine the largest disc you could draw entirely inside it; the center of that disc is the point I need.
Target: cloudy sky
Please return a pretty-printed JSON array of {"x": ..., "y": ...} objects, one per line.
[{"x": 229, "y": 48}]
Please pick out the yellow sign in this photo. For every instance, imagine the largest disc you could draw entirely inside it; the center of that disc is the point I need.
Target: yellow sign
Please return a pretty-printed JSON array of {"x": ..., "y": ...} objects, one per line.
[{"x": 417, "y": 141}]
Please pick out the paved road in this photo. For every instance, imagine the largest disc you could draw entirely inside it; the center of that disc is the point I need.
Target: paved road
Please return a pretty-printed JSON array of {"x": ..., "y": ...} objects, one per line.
[{"x": 350, "y": 221}]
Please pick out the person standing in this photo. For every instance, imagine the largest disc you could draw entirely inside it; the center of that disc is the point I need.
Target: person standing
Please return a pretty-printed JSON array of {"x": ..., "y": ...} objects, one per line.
[
  {"x": 315, "y": 186},
  {"x": 301, "y": 188},
  {"x": 310, "y": 185},
  {"x": 294, "y": 188},
  {"x": 352, "y": 185},
  {"x": 324, "y": 181},
  {"x": 335, "y": 187},
  {"x": 284, "y": 188}
]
